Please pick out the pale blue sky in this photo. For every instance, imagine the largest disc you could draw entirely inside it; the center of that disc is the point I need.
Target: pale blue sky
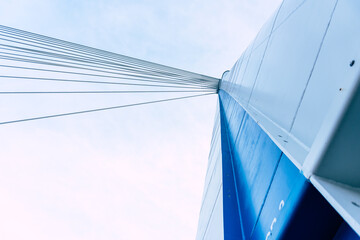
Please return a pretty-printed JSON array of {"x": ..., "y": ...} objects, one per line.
[{"x": 134, "y": 173}]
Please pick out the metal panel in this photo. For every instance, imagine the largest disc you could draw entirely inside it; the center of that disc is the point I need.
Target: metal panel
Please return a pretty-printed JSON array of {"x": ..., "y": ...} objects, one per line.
[
  {"x": 254, "y": 158},
  {"x": 215, "y": 154},
  {"x": 235, "y": 118},
  {"x": 209, "y": 212},
  {"x": 265, "y": 31},
  {"x": 274, "y": 199},
  {"x": 286, "y": 180},
  {"x": 288, "y": 62},
  {"x": 210, "y": 198},
  {"x": 294, "y": 209},
  {"x": 341, "y": 160},
  {"x": 345, "y": 199},
  {"x": 346, "y": 233},
  {"x": 234, "y": 72},
  {"x": 332, "y": 71},
  {"x": 243, "y": 94},
  {"x": 288, "y": 7},
  {"x": 215, "y": 230},
  {"x": 243, "y": 67},
  {"x": 232, "y": 219}
]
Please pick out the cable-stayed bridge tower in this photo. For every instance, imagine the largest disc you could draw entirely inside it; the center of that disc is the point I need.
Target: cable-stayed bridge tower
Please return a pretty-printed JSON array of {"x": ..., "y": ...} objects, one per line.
[
  {"x": 285, "y": 153},
  {"x": 285, "y": 156}
]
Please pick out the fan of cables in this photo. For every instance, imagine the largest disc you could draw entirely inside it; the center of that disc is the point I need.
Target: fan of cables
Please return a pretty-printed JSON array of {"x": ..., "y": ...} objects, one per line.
[{"x": 34, "y": 64}]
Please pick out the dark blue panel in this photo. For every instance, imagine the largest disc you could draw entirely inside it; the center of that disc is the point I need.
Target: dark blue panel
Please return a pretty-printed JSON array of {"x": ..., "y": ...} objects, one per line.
[
  {"x": 294, "y": 209},
  {"x": 232, "y": 222},
  {"x": 255, "y": 158},
  {"x": 312, "y": 217},
  {"x": 282, "y": 197},
  {"x": 345, "y": 232},
  {"x": 274, "y": 199}
]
